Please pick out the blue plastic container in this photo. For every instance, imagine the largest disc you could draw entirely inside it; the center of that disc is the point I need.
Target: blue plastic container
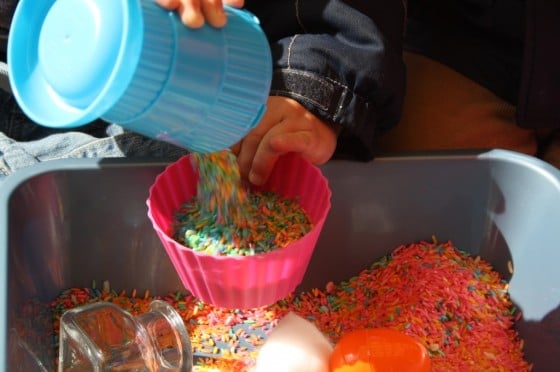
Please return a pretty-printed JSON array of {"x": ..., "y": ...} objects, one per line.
[{"x": 133, "y": 63}]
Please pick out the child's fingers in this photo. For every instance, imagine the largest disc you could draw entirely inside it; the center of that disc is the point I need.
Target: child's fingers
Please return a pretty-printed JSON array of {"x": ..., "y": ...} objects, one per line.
[
  {"x": 194, "y": 13},
  {"x": 168, "y": 4},
  {"x": 246, "y": 153},
  {"x": 274, "y": 144},
  {"x": 262, "y": 165},
  {"x": 235, "y": 3},
  {"x": 190, "y": 12},
  {"x": 213, "y": 11},
  {"x": 284, "y": 142},
  {"x": 317, "y": 150}
]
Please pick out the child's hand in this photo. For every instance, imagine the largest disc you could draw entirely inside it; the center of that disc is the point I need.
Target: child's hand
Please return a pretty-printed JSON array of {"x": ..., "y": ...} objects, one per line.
[
  {"x": 285, "y": 127},
  {"x": 194, "y": 13}
]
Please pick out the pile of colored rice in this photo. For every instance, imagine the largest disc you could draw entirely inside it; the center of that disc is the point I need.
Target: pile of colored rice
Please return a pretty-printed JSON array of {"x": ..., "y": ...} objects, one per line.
[
  {"x": 455, "y": 304},
  {"x": 226, "y": 218}
]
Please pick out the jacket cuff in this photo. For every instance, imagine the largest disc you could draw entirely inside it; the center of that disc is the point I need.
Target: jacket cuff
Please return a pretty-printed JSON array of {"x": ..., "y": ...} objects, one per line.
[{"x": 327, "y": 99}]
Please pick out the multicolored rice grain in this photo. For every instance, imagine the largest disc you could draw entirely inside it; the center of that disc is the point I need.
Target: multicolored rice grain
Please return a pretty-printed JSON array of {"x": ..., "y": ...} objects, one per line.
[
  {"x": 220, "y": 194},
  {"x": 455, "y": 304},
  {"x": 228, "y": 219}
]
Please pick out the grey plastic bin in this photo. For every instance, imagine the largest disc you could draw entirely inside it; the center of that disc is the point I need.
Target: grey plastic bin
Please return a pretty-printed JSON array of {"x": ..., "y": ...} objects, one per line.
[{"x": 65, "y": 223}]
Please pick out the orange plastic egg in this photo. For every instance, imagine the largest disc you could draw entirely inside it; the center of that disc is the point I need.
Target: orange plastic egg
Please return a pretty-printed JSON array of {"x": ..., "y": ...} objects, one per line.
[{"x": 379, "y": 350}]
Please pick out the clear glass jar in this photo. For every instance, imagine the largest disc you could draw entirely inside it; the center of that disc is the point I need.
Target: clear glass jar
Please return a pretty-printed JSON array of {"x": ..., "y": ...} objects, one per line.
[{"x": 103, "y": 337}]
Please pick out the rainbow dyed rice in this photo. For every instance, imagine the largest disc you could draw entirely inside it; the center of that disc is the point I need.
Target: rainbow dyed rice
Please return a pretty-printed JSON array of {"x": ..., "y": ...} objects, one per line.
[
  {"x": 227, "y": 219},
  {"x": 220, "y": 192},
  {"x": 455, "y": 304}
]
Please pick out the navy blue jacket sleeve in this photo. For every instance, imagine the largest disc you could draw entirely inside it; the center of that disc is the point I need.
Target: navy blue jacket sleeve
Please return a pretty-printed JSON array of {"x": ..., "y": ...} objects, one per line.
[{"x": 342, "y": 60}]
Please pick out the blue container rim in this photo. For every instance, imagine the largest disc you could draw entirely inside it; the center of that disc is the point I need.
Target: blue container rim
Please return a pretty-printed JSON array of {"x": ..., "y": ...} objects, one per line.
[{"x": 32, "y": 90}]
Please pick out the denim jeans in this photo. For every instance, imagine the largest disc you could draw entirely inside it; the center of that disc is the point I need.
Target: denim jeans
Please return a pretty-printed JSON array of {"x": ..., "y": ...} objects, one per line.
[{"x": 24, "y": 143}]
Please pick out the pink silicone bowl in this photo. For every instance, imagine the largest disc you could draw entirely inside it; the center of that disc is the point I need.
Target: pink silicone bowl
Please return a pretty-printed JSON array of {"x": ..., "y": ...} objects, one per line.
[{"x": 235, "y": 281}]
